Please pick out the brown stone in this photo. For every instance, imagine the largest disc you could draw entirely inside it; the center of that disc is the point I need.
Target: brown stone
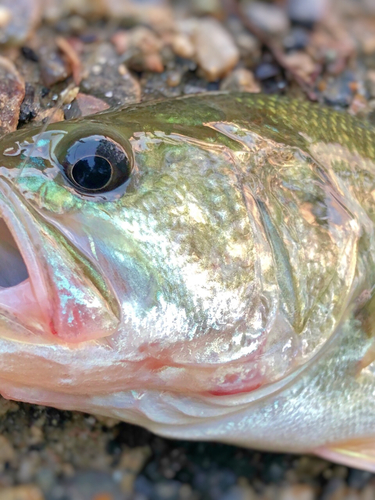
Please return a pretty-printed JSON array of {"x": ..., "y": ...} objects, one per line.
[
  {"x": 216, "y": 52},
  {"x": 53, "y": 115},
  {"x": 89, "y": 105},
  {"x": 12, "y": 92},
  {"x": 53, "y": 67},
  {"x": 182, "y": 46},
  {"x": 240, "y": 79}
]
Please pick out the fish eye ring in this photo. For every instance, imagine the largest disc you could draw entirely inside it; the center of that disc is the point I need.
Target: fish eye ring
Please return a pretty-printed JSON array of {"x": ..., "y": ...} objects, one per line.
[{"x": 96, "y": 164}]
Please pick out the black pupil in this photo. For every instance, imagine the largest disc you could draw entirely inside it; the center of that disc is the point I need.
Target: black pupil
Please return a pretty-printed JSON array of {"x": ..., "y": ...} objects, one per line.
[
  {"x": 92, "y": 172},
  {"x": 95, "y": 164}
]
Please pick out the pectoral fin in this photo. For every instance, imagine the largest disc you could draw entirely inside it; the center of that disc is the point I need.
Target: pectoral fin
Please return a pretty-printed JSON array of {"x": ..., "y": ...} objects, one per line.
[{"x": 357, "y": 453}]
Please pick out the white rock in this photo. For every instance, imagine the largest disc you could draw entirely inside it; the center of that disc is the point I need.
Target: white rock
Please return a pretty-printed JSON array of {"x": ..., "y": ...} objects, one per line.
[{"x": 270, "y": 18}]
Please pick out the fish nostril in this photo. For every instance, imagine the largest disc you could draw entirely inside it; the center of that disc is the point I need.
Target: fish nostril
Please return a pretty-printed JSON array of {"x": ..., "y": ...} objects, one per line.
[{"x": 12, "y": 266}]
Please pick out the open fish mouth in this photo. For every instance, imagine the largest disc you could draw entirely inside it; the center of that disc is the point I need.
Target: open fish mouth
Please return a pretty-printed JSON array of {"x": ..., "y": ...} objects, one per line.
[
  {"x": 43, "y": 290},
  {"x": 13, "y": 270},
  {"x": 17, "y": 299},
  {"x": 20, "y": 277}
]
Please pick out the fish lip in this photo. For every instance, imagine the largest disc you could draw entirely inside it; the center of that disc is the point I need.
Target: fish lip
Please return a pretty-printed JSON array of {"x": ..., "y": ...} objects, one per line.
[{"x": 11, "y": 213}]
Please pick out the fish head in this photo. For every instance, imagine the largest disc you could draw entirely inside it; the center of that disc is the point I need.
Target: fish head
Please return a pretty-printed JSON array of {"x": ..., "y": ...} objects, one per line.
[
  {"x": 148, "y": 242},
  {"x": 151, "y": 255}
]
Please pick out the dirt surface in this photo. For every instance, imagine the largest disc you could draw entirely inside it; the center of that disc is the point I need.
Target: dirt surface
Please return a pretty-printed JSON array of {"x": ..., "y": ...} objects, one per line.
[{"x": 62, "y": 59}]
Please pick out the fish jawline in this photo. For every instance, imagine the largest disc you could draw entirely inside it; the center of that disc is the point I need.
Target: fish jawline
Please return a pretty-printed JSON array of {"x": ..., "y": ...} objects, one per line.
[{"x": 18, "y": 300}]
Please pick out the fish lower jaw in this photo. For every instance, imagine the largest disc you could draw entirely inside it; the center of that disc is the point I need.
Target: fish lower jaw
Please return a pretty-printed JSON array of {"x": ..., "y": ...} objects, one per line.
[
  {"x": 19, "y": 303},
  {"x": 23, "y": 294},
  {"x": 17, "y": 299}
]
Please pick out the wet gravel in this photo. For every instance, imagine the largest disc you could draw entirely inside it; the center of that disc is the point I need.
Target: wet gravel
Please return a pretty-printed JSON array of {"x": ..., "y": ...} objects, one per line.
[
  {"x": 60, "y": 455},
  {"x": 61, "y": 59}
]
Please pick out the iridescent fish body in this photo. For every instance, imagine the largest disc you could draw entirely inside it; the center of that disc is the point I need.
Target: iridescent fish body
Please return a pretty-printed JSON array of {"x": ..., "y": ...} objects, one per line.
[{"x": 202, "y": 266}]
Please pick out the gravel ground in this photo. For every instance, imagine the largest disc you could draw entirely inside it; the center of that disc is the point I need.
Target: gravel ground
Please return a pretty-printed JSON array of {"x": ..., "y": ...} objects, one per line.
[
  {"x": 62, "y": 59},
  {"x": 46, "y": 453}
]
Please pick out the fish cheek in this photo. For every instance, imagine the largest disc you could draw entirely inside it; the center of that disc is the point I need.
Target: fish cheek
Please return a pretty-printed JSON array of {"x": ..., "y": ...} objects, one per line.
[
  {"x": 234, "y": 249},
  {"x": 196, "y": 241},
  {"x": 50, "y": 195},
  {"x": 76, "y": 303}
]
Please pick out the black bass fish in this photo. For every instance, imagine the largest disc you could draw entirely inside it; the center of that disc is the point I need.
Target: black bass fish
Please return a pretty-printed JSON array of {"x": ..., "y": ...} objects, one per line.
[{"x": 202, "y": 266}]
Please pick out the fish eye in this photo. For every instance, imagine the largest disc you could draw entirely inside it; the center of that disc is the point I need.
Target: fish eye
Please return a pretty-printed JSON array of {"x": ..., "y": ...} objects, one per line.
[{"x": 96, "y": 164}]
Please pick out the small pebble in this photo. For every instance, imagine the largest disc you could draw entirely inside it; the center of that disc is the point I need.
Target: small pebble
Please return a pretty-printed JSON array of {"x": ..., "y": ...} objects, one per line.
[
  {"x": 86, "y": 105},
  {"x": 249, "y": 47},
  {"x": 307, "y": 11},
  {"x": 96, "y": 69},
  {"x": 216, "y": 52},
  {"x": 339, "y": 92},
  {"x": 121, "y": 41},
  {"x": 144, "y": 39},
  {"x": 12, "y": 92},
  {"x": 7, "y": 453},
  {"x": 29, "y": 53},
  {"x": 53, "y": 67},
  {"x": 358, "y": 478},
  {"x": 144, "y": 50},
  {"x": 52, "y": 115},
  {"x": 335, "y": 489},
  {"x": 240, "y": 79},
  {"x": 7, "y": 406},
  {"x": 153, "y": 62},
  {"x": 310, "y": 466},
  {"x": 20, "y": 18},
  {"x": 155, "y": 13},
  {"x": 301, "y": 63},
  {"x": 182, "y": 46},
  {"x": 267, "y": 70},
  {"x": 297, "y": 39},
  {"x": 69, "y": 94},
  {"x": 133, "y": 459},
  {"x": 174, "y": 78},
  {"x": 5, "y": 16},
  {"x": 77, "y": 24},
  {"x": 297, "y": 492},
  {"x": 268, "y": 17}
]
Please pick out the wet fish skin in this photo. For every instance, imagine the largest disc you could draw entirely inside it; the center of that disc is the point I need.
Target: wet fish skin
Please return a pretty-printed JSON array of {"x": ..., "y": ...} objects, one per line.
[{"x": 224, "y": 292}]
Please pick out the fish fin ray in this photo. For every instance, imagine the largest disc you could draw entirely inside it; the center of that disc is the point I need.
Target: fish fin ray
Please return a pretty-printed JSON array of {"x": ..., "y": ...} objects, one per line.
[{"x": 358, "y": 453}]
